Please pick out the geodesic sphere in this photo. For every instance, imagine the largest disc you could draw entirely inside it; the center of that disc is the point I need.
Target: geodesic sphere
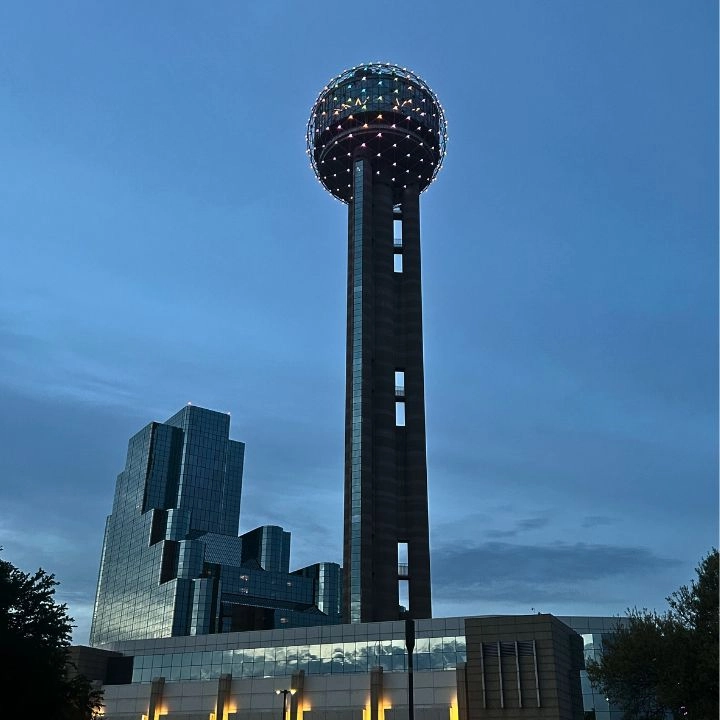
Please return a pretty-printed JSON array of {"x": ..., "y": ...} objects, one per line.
[{"x": 389, "y": 113}]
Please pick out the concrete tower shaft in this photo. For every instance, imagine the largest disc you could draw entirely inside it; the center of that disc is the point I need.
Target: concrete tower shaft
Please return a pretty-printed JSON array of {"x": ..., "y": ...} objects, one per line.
[{"x": 385, "y": 467}]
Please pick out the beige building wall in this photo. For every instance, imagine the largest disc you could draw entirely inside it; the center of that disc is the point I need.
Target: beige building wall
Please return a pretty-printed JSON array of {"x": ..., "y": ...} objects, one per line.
[
  {"x": 323, "y": 697},
  {"x": 521, "y": 666}
]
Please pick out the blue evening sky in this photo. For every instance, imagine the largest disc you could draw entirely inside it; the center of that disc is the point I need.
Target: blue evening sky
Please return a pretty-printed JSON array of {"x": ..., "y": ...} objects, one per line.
[{"x": 164, "y": 241}]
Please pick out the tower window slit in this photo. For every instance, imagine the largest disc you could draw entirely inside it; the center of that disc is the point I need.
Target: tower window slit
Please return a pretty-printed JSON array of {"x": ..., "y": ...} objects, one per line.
[
  {"x": 399, "y": 383},
  {"x": 400, "y": 413},
  {"x": 403, "y": 579},
  {"x": 404, "y": 596}
]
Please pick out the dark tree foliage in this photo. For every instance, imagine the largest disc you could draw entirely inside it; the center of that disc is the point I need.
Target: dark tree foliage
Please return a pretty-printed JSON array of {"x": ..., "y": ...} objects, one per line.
[
  {"x": 34, "y": 639},
  {"x": 660, "y": 665}
]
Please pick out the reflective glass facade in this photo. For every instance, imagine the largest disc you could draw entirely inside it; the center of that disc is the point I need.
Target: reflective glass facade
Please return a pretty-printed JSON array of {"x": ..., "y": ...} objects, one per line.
[
  {"x": 594, "y": 700},
  {"x": 436, "y": 653},
  {"x": 270, "y": 546},
  {"x": 327, "y": 583},
  {"x": 172, "y": 562},
  {"x": 594, "y": 631},
  {"x": 355, "y": 328}
]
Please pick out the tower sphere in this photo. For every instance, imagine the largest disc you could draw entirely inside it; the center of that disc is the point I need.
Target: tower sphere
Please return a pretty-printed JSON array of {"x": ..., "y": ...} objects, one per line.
[{"x": 387, "y": 113}]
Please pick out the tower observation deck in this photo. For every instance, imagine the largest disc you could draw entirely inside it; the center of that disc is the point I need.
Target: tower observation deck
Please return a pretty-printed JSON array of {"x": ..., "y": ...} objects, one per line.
[{"x": 376, "y": 139}]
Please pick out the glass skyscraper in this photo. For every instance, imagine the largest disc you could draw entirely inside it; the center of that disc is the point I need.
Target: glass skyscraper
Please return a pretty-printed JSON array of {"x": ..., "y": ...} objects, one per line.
[{"x": 172, "y": 562}]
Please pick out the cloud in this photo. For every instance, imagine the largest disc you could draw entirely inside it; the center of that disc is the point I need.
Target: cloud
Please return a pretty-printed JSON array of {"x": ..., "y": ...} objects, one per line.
[
  {"x": 38, "y": 540},
  {"x": 597, "y": 520},
  {"x": 533, "y": 523},
  {"x": 34, "y": 364},
  {"x": 504, "y": 571},
  {"x": 520, "y": 527},
  {"x": 497, "y": 534}
]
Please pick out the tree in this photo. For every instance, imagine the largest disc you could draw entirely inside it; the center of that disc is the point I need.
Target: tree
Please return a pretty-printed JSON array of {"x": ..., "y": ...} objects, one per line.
[
  {"x": 659, "y": 664},
  {"x": 35, "y": 636},
  {"x": 694, "y": 614}
]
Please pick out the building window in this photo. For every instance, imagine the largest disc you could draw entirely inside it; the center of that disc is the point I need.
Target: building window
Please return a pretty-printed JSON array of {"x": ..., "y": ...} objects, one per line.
[
  {"x": 397, "y": 262},
  {"x": 400, "y": 414}
]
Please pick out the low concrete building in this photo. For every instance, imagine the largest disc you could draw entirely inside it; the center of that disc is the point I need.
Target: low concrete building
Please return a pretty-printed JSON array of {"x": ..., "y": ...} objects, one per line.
[{"x": 462, "y": 669}]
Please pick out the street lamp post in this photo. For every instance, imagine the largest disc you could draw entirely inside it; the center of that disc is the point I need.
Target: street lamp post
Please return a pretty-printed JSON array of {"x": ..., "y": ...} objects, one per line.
[
  {"x": 410, "y": 645},
  {"x": 285, "y": 692}
]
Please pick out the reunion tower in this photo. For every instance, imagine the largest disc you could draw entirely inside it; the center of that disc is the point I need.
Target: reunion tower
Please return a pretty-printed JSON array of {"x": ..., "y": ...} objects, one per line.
[{"x": 376, "y": 139}]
